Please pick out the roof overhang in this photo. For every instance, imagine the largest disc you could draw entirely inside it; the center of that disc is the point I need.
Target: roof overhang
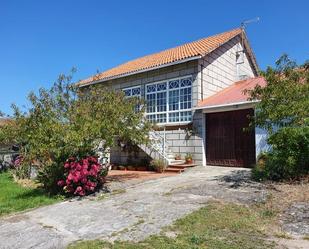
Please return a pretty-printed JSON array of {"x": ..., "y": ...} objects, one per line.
[
  {"x": 250, "y": 53},
  {"x": 140, "y": 71},
  {"x": 227, "y": 107}
]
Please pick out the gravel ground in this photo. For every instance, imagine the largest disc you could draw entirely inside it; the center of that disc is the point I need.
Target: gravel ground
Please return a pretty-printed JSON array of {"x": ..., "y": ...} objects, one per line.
[
  {"x": 295, "y": 219},
  {"x": 132, "y": 211}
]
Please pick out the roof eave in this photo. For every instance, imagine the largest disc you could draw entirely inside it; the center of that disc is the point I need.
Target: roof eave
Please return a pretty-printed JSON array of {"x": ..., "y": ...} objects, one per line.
[
  {"x": 141, "y": 71},
  {"x": 251, "y": 53},
  {"x": 223, "y": 107}
]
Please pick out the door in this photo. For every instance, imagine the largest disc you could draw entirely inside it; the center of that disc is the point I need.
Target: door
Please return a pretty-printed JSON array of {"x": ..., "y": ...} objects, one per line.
[{"x": 227, "y": 143}]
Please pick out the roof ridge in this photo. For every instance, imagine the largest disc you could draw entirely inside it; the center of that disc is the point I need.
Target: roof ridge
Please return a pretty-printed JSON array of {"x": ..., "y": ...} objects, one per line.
[
  {"x": 168, "y": 49},
  {"x": 200, "y": 47}
]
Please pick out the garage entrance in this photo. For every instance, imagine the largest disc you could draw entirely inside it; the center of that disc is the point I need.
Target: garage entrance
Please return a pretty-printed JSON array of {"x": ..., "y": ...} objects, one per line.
[{"x": 227, "y": 144}]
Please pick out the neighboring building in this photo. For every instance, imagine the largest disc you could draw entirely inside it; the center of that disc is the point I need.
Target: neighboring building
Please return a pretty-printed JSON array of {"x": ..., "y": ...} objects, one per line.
[
  {"x": 194, "y": 95},
  {"x": 7, "y": 151}
]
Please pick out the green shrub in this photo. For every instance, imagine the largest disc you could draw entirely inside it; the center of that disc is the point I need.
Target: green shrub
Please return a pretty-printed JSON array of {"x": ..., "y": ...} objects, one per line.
[
  {"x": 49, "y": 175},
  {"x": 289, "y": 157},
  {"x": 158, "y": 165}
]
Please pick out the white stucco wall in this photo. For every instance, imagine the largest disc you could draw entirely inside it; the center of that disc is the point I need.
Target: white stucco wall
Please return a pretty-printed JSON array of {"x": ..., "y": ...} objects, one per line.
[{"x": 261, "y": 144}]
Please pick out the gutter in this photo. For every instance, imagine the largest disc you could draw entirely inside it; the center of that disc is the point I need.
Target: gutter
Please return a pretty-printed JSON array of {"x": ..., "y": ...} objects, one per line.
[
  {"x": 141, "y": 71},
  {"x": 226, "y": 105}
]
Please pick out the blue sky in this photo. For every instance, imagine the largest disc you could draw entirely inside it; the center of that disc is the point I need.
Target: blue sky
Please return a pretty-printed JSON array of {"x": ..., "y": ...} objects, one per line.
[{"x": 41, "y": 39}]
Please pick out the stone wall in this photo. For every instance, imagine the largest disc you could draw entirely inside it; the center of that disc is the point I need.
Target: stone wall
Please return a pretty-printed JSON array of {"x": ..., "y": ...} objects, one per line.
[
  {"x": 178, "y": 141},
  {"x": 218, "y": 69},
  {"x": 126, "y": 157},
  {"x": 210, "y": 74}
]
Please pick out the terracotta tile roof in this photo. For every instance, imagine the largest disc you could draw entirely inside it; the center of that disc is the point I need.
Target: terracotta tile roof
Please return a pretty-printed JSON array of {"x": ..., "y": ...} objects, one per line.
[
  {"x": 232, "y": 94},
  {"x": 197, "y": 48}
]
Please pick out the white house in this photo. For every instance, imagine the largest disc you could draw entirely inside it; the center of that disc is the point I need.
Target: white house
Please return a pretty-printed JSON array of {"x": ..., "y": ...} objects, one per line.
[{"x": 194, "y": 93}]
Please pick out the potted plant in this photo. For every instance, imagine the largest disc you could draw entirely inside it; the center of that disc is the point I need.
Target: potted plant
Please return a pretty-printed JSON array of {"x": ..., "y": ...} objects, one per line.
[
  {"x": 188, "y": 158},
  {"x": 158, "y": 165},
  {"x": 177, "y": 157}
]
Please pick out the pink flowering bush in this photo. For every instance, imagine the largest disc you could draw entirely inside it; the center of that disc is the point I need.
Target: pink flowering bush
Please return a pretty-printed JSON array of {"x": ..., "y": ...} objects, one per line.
[
  {"x": 18, "y": 161},
  {"x": 82, "y": 177}
]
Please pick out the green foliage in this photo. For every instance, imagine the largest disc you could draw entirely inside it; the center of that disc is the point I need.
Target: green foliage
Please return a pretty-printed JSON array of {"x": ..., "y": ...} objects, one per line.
[
  {"x": 188, "y": 157},
  {"x": 48, "y": 176},
  {"x": 285, "y": 99},
  {"x": 284, "y": 111},
  {"x": 14, "y": 198},
  {"x": 66, "y": 121},
  {"x": 158, "y": 165},
  {"x": 289, "y": 158}
]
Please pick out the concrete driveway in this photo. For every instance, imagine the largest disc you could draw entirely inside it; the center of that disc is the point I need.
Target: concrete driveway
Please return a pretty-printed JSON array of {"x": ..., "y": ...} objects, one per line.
[{"x": 137, "y": 211}]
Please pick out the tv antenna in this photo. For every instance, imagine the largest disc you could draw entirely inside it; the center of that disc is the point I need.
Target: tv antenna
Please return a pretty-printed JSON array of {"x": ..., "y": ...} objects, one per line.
[{"x": 244, "y": 24}]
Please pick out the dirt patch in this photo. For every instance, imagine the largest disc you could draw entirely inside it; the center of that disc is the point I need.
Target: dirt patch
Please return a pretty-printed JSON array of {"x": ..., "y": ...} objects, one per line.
[
  {"x": 122, "y": 179},
  {"x": 127, "y": 175},
  {"x": 284, "y": 195},
  {"x": 291, "y": 203}
]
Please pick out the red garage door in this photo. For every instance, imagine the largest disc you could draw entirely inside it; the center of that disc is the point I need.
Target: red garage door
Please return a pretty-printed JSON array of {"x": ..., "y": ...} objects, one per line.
[{"x": 227, "y": 144}]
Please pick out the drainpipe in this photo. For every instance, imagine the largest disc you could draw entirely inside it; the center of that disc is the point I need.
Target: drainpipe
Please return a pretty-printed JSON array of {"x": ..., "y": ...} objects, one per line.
[
  {"x": 202, "y": 84},
  {"x": 164, "y": 138}
]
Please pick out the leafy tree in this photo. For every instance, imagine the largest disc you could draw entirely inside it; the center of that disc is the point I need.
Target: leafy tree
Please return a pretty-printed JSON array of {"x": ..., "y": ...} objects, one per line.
[
  {"x": 284, "y": 111},
  {"x": 66, "y": 121},
  {"x": 285, "y": 99}
]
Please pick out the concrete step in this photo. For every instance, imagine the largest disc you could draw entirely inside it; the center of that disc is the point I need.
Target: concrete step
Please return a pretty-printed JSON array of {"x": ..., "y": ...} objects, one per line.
[
  {"x": 171, "y": 156},
  {"x": 173, "y": 162},
  {"x": 173, "y": 170},
  {"x": 181, "y": 166}
]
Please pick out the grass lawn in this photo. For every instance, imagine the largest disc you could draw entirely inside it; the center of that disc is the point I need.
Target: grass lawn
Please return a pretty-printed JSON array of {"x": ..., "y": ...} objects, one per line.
[
  {"x": 216, "y": 226},
  {"x": 14, "y": 197}
]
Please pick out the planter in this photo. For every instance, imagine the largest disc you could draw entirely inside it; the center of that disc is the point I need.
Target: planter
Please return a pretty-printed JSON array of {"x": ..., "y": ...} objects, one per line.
[
  {"x": 142, "y": 168},
  {"x": 131, "y": 168},
  {"x": 189, "y": 161},
  {"x": 159, "y": 170}
]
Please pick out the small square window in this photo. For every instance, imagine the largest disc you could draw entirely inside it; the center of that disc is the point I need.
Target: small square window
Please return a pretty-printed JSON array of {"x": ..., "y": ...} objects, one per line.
[
  {"x": 151, "y": 88},
  {"x": 173, "y": 117},
  {"x": 127, "y": 92},
  {"x": 161, "y": 86},
  {"x": 161, "y": 118},
  {"x": 136, "y": 91},
  {"x": 173, "y": 84},
  {"x": 186, "y": 82}
]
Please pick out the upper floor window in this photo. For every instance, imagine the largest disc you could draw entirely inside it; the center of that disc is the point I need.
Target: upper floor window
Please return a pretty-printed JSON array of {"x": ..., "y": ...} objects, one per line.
[
  {"x": 169, "y": 101},
  {"x": 132, "y": 91}
]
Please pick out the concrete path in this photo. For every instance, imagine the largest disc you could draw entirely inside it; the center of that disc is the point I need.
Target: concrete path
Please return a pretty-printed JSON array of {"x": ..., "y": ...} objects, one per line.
[{"x": 139, "y": 211}]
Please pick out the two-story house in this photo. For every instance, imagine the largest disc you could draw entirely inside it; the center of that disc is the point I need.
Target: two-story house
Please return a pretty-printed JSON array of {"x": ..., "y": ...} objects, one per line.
[{"x": 194, "y": 93}]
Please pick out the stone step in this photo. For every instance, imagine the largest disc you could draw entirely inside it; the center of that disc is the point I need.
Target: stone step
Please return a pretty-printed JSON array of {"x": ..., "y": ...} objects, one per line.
[
  {"x": 174, "y": 162},
  {"x": 181, "y": 166},
  {"x": 173, "y": 170}
]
